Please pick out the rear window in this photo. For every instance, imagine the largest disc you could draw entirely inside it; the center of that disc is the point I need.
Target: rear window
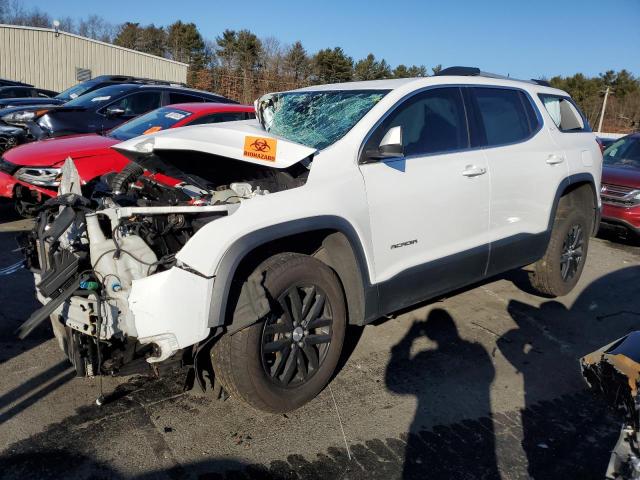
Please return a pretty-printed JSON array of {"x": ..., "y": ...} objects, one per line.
[
  {"x": 506, "y": 114},
  {"x": 564, "y": 113}
]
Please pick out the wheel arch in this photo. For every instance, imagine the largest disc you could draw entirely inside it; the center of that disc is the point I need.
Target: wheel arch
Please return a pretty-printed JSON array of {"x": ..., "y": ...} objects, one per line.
[
  {"x": 582, "y": 187},
  {"x": 331, "y": 239}
]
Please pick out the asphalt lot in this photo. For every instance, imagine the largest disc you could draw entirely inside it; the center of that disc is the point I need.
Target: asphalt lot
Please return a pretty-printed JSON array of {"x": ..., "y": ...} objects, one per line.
[{"x": 483, "y": 384}]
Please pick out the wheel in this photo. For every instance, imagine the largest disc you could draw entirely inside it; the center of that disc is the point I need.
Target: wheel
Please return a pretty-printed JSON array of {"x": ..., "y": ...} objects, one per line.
[
  {"x": 284, "y": 361},
  {"x": 558, "y": 271}
]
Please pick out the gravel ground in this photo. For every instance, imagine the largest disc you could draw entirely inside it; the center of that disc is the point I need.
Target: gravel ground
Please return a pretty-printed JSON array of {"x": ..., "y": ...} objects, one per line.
[{"x": 482, "y": 384}]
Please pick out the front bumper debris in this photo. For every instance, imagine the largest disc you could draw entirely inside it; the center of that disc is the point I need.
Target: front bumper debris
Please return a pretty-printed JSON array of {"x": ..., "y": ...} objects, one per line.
[{"x": 613, "y": 371}]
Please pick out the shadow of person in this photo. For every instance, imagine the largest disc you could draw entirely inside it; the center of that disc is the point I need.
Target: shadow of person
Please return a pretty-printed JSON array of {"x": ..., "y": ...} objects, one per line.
[
  {"x": 450, "y": 382},
  {"x": 571, "y": 435}
]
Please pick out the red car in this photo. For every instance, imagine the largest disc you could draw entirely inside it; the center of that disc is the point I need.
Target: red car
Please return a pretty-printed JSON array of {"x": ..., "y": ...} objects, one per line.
[
  {"x": 30, "y": 173},
  {"x": 620, "y": 189}
]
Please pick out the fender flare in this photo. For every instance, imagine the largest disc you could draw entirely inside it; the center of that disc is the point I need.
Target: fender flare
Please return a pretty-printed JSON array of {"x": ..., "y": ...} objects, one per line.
[
  {"x": 231, "y": 259},
  {"x": 584, "y": 177}
]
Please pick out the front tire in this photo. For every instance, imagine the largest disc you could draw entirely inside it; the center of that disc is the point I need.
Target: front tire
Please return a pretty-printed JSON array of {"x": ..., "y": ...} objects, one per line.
[
  {"x": 558, "y": 272},
  {"x": 285, "y": 360}
]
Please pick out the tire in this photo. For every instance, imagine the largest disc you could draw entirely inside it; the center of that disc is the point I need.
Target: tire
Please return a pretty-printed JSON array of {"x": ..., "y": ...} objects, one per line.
[
  {"x": 552, "y": 275},
  {"x": 255, "y": 364}
]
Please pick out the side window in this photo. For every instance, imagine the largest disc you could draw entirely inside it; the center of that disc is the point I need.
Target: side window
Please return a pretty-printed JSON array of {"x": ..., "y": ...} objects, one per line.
[
  {"x": 220, "y": 117},
  {"x": 507, "y": 115},
  {"x": 16, "y": 93},
  {"x": 432, "y": 122},
  {"x": 138, "y": 103},
  {"x": 183, "y": 98},
  {"x": 564, "y": 113}
]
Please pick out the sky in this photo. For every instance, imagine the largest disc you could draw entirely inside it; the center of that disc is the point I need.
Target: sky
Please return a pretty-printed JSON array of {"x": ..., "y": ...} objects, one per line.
[{"x": 523, "y": 39}]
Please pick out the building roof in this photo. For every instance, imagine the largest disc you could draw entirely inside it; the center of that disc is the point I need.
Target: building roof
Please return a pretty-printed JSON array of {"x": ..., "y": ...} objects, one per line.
[{"x": 60, "y": 32}]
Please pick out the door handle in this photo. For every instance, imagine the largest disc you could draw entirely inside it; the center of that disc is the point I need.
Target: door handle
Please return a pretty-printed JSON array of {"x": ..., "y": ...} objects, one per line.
[
  {"x": 554, "y": 159},
  {"x": 473, "y": 171}
]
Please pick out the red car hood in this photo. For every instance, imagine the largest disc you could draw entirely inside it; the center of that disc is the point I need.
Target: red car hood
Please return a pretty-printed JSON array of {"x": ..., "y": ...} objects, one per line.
[
  {"x": 627, "y": 177},
  {"x": 46, "y": 153}
]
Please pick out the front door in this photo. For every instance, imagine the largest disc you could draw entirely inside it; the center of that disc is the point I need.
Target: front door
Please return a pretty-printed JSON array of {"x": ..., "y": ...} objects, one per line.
[{"x": 429, "y": 209}]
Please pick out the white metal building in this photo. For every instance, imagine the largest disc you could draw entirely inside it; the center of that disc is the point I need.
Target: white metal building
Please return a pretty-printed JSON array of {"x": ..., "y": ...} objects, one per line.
[{"x": 57, "y": 60}]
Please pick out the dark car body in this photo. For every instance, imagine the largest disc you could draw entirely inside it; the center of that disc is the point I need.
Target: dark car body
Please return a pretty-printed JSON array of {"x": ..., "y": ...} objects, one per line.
[
  {"x": 5, "y": 82},
  {"x": 25, "y": 92},
  {"x": 108, "y": 107},
  {"x": 620, "y": 190},
  {"x": 77, "y": 90}
]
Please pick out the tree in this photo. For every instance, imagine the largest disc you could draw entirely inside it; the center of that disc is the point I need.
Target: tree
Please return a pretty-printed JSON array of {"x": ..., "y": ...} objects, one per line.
[
  {"x": 402, "y": 71},
  {"x": 226, "y": 50},
  {"x": 128, "y": 35},
  {"x": 96, "y": 27},
  {"x": 331, "y": 66},
  {"x": 437, "y": 69},
  {"x": 153, "y": 40},
  {"x": 185, "y": 44},
  {"x": 371, "y": 69},
  {"x": 297, "y": 63}
]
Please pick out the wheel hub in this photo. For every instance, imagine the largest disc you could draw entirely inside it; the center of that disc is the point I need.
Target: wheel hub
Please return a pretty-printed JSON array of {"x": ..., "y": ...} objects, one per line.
[{"x": 298, "y": 334}]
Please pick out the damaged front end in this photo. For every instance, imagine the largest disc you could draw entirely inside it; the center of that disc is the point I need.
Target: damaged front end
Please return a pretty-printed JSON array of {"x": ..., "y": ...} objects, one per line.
[
  {"x": 105, "y": 268},
  {"x": 614, "y": 372}
]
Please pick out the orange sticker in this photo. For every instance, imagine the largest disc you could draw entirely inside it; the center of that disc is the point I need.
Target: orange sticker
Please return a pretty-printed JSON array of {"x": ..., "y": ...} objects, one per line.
[
  {"x": 261, "y": 148},
  {"x": 150, "y": 130}
]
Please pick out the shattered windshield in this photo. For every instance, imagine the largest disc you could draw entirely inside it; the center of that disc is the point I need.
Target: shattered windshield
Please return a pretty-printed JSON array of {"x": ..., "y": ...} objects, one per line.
[{"x": 315, "y": 119}]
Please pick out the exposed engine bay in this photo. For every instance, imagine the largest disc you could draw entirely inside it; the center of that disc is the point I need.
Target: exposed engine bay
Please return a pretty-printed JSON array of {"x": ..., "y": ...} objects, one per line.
[
  {"x": 613, "y": 371},
  {"x": 87, "y": 253}
]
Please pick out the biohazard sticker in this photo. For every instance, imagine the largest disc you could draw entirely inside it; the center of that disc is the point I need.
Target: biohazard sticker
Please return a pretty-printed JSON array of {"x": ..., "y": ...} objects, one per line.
[{"x": 260, "y": 148}]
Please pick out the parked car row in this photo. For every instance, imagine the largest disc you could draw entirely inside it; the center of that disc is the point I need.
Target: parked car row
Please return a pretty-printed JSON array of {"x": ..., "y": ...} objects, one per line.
[{"x": 84, "y": 121}]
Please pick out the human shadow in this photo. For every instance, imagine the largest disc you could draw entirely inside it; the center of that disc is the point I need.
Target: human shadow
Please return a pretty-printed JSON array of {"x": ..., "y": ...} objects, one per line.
[
  {"x": 454, "y": 378},
  {"x": 568, "y": 437}
]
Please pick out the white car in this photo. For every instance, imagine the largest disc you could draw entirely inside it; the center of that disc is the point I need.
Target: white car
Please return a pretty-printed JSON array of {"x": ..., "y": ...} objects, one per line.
[{"x": 338, "y": 205}]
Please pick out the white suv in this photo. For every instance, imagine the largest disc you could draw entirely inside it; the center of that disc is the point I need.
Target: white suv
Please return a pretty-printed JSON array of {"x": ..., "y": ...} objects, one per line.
[{"x": 340, "y": 204}]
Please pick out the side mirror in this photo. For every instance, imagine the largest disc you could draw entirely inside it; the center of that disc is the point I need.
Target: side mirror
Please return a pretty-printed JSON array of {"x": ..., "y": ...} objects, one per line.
[
  {"x": 390, "y": 146},
  {"x": 114, "y": 112}
]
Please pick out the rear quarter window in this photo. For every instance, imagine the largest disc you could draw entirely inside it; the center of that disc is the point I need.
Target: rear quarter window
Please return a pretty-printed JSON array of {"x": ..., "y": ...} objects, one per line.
[
  {"x": 507, "y": 115},
  {"x": 564, "y": 113}
]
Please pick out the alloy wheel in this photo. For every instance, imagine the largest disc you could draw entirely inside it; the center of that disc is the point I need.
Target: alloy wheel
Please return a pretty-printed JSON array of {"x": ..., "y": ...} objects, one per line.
[{"x": 296, "y": 339}]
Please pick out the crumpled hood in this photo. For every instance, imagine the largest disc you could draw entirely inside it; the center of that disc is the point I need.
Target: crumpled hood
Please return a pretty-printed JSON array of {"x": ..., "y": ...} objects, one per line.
[
  {"x": 53, "y": 151},
  {"x": 244, "y": 140}
]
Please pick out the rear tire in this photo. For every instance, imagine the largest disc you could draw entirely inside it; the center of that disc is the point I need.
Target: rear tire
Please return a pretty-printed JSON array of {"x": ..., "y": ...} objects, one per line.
[
  {"x": 284, "y": 361},
  {"x": 559, "y": 270}
]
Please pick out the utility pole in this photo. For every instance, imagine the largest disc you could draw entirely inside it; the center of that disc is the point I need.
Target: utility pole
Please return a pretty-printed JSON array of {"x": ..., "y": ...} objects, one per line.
[{"x": 604, "y": 106}]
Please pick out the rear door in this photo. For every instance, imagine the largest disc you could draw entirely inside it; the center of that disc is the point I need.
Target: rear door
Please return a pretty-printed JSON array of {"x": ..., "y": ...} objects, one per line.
[
  {"x": 571, "y": 132},
  {"x": 429, "y": 209},
  {"x": 526, "y": 170}
]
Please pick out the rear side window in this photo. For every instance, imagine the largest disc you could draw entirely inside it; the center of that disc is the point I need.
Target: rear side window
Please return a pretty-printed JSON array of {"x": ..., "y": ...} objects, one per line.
[
  {"x": 184, "y": 98},
  {"x": 432, "y": 122},
  {"x": 507, "y": 115},
  {"x": 564, "y": 113}
]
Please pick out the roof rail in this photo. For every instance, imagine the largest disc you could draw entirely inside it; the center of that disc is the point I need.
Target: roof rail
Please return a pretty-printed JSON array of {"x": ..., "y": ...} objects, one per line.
[
  {"x": 132, "y": 79},
  {"x": 539, "y": 81},
  {"x": 460, "y": 71},
  {"x": 476, "y": 72}
]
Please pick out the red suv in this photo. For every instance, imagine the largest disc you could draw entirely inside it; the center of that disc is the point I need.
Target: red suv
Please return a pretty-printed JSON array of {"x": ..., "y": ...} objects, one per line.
[
  {"x": 30, "y": 173},
  {"x": 620, "y": 189}
]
